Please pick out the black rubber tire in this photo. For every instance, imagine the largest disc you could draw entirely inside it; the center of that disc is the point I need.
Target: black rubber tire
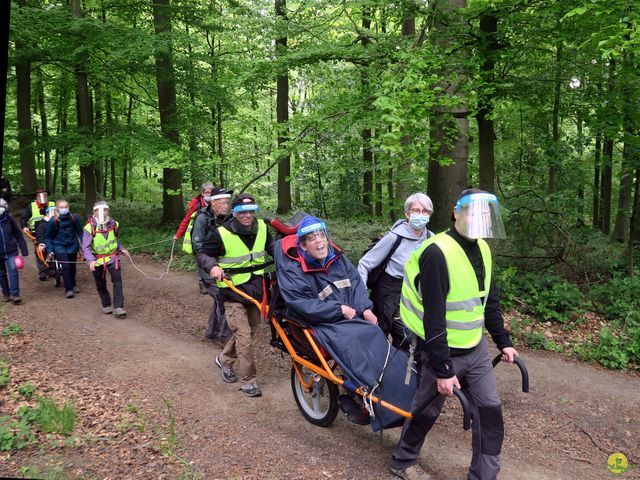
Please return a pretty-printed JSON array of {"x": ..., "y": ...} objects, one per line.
[
  {"x": 321, "y": 415},
  {"x": 55, "y": 273}
]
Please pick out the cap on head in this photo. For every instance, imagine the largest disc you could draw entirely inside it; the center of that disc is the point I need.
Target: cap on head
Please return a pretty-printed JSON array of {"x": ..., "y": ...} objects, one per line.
[
  {"x": 243, "y": 202},
  {"x": 40, "y": 190},
  {"x": 217, "y": 193},
  {"x": 310, "y": 224}
]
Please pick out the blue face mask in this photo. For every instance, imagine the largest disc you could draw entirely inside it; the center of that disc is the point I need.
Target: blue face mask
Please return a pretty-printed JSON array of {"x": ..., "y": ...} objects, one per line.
[
  {"x": 419, "y": 221},
  {"x": 63, "y": 211}
]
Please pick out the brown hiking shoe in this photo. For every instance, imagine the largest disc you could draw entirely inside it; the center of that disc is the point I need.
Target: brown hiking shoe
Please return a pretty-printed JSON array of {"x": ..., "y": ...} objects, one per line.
[{"x": 414, "y": 472}]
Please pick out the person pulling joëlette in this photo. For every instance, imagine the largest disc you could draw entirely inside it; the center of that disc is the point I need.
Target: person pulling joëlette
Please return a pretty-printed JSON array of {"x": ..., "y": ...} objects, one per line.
[
  {"x": 238, "y": 248},
  {"x": 448, "y": 297},
  {"x": 101, "y": 247}
]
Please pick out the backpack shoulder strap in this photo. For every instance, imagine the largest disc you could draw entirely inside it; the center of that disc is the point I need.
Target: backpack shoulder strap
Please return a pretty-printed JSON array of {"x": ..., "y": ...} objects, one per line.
[{"x": 394, "y": 247}]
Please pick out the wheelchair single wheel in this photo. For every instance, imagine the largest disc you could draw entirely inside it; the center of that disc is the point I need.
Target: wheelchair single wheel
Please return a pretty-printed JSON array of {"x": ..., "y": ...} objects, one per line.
[
  {"x": 318, "y": 404},
  {"x": 55, "y": 274}
]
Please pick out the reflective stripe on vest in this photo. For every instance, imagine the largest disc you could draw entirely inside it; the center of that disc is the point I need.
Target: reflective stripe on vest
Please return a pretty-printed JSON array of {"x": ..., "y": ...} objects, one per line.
[
  {"x": 238, "y": 254},
  {"x": 464, "y": 303},
  {"x": 104, "y": 248},
  {"x": 186, "y": 242},
  {"x": 36, "y": 216}
]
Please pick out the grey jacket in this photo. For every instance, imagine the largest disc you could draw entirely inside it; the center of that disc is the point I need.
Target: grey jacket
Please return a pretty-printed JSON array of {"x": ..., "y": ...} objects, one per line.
[{"x": 395, "y": 267}]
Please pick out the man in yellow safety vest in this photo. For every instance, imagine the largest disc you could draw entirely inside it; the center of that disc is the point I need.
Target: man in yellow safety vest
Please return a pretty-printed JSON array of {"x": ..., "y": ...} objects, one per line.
[
  {"x": 238, "y": 249},
  {"x": 448, "y": 297},
  {"x": 101, "y": 248},
  {"x": 32, "y": 215}
]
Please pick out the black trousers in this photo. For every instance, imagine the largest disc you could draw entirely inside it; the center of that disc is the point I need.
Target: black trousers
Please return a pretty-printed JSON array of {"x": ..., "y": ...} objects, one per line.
[
  {"x": 385, "y": 296},
  {"x": 100, "y": 276},
  {"x": 68, "y": 267}
]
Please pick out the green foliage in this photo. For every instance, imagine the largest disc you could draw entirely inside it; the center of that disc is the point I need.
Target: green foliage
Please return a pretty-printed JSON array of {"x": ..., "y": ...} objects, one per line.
[
  {"x": 49, "y": 417},
  {"x": 27, "y": 390},
  {"x": 15, "y": 434},
  {"x": 614, "y": 349},
  {"x": 10, "y": 330},
  {"x": 55, "y": 473},
  {"x": 546, "y": 297},
  {"x": 619, "y": 299},
  {"x": 4, "y": 374}
]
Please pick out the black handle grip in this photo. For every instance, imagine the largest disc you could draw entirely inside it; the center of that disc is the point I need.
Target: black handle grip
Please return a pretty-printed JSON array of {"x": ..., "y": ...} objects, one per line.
[
  {"x": 467, "y": 411},
  {"x": 523, "y": 370}
]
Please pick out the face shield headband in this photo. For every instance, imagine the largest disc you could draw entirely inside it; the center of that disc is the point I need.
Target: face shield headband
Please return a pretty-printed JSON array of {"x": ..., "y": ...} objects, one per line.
[
  {"x": 101, "y": 214},
  {"x": 478, "y": 216},
  {"x": 250, "y": 207},
  {"x": 317, "y": 243}
]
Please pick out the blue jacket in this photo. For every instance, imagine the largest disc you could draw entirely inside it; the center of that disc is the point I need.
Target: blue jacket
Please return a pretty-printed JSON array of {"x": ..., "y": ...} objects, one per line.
[
  {"x": 11, "y": 238},
  {"x": 61, "y": 234},
  {"x": 315, "y": 294}
]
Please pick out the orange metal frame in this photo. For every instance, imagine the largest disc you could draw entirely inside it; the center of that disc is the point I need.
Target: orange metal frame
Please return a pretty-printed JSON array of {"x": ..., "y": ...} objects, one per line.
[{"x": 324, "y": 370}]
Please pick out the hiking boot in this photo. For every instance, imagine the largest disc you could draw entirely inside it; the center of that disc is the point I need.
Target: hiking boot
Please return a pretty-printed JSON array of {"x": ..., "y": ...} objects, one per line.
[
  {"x": 16, "y": 299},
  {"x": 414, "y": 472},
  {"x": 108, "y": 309},
  {"x": 119, "y": 312},
  {"x": 228, "y": 375},
  {"x": 6, "y": 298},
  {"x": 76, "y": 290},
  {"x": 251, "y": 390},
  {"x": 68, "y": 294},
  {"x": 203, "y": 289}
]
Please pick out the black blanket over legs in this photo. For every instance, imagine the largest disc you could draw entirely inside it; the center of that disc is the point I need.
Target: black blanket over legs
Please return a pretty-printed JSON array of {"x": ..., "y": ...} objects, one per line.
[{"x": 361, "y": 350}]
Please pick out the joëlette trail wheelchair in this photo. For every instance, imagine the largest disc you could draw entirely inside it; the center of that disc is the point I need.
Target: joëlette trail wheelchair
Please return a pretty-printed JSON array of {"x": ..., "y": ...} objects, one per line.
[
  {"x": 316, "y": 378},
  {"x": 52, "y": 267}
]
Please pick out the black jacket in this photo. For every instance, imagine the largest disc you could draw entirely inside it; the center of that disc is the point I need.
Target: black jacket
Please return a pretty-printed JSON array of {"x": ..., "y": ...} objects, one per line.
[
  {"x": 213, "y": 248},
  {"x": 434, "y": 287}
]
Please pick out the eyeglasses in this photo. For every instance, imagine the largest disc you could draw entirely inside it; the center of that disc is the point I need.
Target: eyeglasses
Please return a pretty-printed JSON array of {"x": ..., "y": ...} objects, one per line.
[
  {"x": 417, "y": 211},
  {"x": 315, "y": 236}
]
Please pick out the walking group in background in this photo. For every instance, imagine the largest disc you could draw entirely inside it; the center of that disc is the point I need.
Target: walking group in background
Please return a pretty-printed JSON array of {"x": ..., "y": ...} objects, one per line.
[
  {"x": 58, "y": 236},
  {"x": 431, "y": 294}
]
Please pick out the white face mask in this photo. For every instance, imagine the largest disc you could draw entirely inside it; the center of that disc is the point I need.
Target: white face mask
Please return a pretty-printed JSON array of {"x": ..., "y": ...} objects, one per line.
[{"x": 2, "y": 210}]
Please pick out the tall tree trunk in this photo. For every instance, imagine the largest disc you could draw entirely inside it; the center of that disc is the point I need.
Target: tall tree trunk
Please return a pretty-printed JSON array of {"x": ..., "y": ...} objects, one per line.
[
  {"x": 44, "y": 136},
  {"x": 403, "y": 173},
  {"x": 98, "y": 127},
  {"x": 111, "y": 158},
  {"x": 605, "y": 184},
  {"x": 25, "y": 133},
  {"x": 486, "y": 133},
  {"x": 367, "y": 152},
  {"x": 5, "y": 15},
  {"x": 607, "y": 158},
  {"x": 172, "y": 203},
  {"x": 596, "y": 181},
  {"x": 555, "y": 134},
  {"x": 629, "y": 157},
  {"x": 126, "y": 157},
  {"x": 446, "y": 182},
  {"x": 85, "y": 119},
  {"x": 282, "y": 112},
  {"x": 221, "y": 173}
]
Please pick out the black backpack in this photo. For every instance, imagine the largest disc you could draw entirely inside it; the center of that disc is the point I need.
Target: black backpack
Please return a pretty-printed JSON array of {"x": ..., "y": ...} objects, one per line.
[{"x": 374, "y": 273}]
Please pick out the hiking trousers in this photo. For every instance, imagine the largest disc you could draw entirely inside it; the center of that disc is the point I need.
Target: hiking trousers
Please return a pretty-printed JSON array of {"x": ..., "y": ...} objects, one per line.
[
  {"x": 238, "y": 352},
  {"x": 217, "y": 328},
  {"x": 475, "y": 373},
  {"x": 68, "y": 267},
  {"x": 100, "y": 276}
]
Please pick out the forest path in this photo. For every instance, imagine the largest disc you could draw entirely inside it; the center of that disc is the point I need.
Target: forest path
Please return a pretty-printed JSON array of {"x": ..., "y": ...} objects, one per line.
[{"x": 575, "y": 416}]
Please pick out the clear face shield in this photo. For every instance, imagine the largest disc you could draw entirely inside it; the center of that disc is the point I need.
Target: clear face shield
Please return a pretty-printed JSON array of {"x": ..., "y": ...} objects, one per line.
[
  {"x": 42, "y": 198},
  {"x": 316, "y": 241},
  {"x": 101, "y": 214},
  {"x": 478, "y": 216}
]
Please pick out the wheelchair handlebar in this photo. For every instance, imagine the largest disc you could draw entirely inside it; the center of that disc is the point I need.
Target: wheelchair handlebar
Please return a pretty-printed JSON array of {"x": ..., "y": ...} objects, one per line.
[
  {"x": 467, "y": 410},
  {"x": 281, "y": 227},
  {"x": 521, "y": 366}
]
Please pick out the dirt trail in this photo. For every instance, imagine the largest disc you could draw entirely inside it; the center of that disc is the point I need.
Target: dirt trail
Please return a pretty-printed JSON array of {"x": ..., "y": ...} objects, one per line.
[{"x": 574, "y": 417}]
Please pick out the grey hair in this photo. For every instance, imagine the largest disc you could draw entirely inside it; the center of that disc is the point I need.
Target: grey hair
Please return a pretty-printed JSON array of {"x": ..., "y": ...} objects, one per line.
[
  {"x": 3, "y": 203},
  {"x": 206, "y": 186},
  {"x": 100, "y": 203},
  {"x": 420, "y": 198}
]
